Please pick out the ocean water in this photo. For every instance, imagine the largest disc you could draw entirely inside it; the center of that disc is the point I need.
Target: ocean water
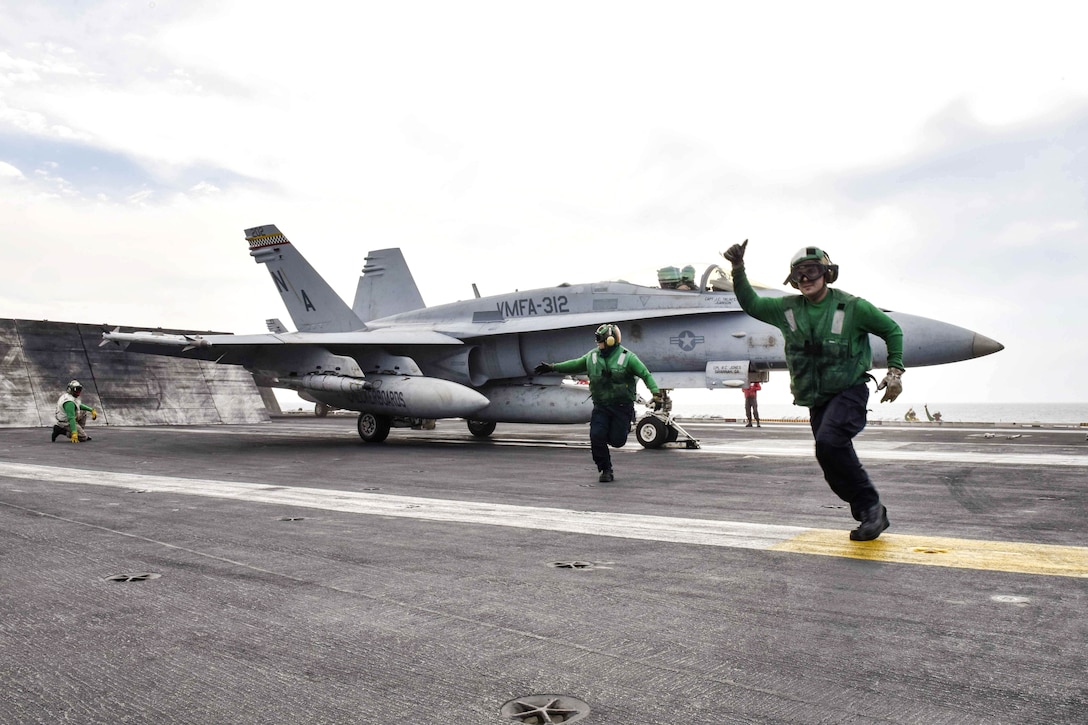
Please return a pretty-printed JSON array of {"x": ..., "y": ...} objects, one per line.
[{"x": 1013, "y": 413}]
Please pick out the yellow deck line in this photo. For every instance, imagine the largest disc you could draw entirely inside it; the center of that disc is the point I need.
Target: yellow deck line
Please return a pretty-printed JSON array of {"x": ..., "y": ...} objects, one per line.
[{"x": 1008, "y": 556}]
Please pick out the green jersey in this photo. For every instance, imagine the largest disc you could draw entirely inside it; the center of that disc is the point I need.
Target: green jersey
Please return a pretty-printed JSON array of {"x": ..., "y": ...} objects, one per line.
[
  {"x": 827, "y": 343},
  {"x": 613, "y": 376}
]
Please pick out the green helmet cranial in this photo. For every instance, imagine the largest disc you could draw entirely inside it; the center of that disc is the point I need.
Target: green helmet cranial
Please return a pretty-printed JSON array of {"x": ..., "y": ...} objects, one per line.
[
  {"x": 668, "y": 277},
  {"x": 812, "y": 254},
  {"x": 608, "y": 333}
]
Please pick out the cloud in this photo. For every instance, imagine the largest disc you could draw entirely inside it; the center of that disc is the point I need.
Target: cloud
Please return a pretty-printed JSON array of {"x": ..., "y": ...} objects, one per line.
[
  {"x": 7, "y": 171},
  {"x": 87, "y": 171},
  {"x": 979, "y": 196}
]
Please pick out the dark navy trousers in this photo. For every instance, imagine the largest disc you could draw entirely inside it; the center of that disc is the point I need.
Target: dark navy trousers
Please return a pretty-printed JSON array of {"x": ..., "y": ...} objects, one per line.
[
  {"x": 609, "y": 426},
  {"x": 834, "y": 426}
]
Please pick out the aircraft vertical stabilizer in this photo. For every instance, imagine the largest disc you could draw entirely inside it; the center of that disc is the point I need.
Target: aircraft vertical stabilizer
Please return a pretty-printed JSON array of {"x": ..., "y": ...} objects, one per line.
[
  {"x": 386, "y": 287},
  {"x": 311, "y": 302}
]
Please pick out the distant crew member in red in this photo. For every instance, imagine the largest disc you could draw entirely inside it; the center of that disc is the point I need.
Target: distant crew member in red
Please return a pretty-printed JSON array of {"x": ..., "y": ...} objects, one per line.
[{"x": 751, "y": 405}]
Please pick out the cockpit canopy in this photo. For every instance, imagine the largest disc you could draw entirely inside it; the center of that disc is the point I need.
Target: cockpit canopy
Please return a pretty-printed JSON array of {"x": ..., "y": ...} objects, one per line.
[{"x": 714, "y": 279}]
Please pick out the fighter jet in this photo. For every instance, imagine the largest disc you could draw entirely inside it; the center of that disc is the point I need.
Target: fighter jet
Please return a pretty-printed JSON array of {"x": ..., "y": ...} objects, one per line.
[{"x": 400, "y": 363}]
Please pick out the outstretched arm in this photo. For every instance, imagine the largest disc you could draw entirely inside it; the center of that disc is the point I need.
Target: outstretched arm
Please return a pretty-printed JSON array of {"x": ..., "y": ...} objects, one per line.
[
  {"x": 577, "y": 365},
  {"x": 638, "y": 368}
]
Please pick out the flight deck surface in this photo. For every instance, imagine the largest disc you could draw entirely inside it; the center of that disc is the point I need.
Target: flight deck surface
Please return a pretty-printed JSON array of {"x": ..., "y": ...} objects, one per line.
[{"x": 288, "y": 572}]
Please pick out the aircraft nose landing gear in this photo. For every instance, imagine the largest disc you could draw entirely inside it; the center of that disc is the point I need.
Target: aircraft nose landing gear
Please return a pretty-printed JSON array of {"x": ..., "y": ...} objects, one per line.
[{"x": 659, "y": 428}]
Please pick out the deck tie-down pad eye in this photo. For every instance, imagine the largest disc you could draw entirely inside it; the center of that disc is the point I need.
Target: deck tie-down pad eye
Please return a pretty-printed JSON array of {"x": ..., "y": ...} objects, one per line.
[
  {"x": 545, "y": 709},
  {"x": 132, "y": 577}
]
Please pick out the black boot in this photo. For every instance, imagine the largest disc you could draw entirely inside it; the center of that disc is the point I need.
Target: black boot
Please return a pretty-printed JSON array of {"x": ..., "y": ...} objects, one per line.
[
  {"x": 57, "y": 432},
  {"x": 873, "y": 521},
  {"x": 606, "y": 476}
]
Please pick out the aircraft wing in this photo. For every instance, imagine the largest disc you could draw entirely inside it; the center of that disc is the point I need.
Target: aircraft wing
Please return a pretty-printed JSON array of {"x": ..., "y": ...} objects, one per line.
[{"x": 242, "y": 349}]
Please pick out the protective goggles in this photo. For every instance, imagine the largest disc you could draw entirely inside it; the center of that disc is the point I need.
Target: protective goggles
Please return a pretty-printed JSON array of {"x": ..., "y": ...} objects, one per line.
[{"x": 807, "y": 272}]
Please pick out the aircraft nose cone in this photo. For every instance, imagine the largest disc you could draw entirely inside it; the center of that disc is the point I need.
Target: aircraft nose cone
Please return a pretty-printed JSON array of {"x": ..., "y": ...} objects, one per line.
[{"x": 982, "y": 345}]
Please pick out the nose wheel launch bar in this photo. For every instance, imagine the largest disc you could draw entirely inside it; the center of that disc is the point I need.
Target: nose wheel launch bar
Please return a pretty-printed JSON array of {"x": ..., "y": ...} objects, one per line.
[{"x": 659, "y": 428}]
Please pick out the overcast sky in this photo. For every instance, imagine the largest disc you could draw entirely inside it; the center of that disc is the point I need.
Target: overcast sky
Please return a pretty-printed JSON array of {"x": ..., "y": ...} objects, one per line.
[{"x": 938, "y": 151}]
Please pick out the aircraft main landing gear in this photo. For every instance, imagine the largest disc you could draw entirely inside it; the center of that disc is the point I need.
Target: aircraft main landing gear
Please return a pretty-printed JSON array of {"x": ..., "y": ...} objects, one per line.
[
  {"x": 373, "y": 428},
  {"x": 481, "y": 428}
]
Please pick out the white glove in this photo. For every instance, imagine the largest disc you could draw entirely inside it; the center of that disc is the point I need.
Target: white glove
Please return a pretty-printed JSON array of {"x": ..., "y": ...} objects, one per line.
[{"x": 894, "y": 384}]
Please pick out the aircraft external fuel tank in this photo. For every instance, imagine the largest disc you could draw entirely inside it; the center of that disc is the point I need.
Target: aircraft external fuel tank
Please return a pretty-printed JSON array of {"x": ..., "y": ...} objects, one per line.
[{"x": 412, "y": 396}]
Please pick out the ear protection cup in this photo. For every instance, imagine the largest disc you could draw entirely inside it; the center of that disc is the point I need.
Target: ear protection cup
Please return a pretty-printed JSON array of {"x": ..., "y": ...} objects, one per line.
[{"x": 608, "y": 334}]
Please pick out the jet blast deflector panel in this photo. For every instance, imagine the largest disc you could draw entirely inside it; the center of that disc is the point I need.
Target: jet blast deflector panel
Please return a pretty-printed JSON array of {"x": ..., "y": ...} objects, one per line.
[{"x": 38, "y": 358}]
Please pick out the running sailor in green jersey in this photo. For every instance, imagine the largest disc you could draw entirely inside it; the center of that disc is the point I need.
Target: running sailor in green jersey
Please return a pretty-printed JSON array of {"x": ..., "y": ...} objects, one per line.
[
  {"x": 613, "y": 373},
  {"x": 828, "y": 355}
]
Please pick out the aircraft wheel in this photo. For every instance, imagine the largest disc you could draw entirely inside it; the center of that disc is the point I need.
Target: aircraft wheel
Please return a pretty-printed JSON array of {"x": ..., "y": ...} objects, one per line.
[
  {"x": 481, "y": 428},
  {"x": 651, "y": 432},
  {"x": 373, "y": 428},
  {"x": 321, "y": 410}
]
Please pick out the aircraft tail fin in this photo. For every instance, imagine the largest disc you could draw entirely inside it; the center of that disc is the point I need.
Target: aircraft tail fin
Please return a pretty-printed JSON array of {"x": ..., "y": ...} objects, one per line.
[
  {"x": 311, "y": 302},
  {"x": 386, "y": 287}
]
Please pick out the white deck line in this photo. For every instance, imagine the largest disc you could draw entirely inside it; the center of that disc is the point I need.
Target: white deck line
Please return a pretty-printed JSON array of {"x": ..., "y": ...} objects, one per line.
[{"x": 597, "y": 523}]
